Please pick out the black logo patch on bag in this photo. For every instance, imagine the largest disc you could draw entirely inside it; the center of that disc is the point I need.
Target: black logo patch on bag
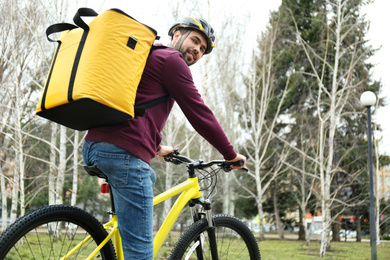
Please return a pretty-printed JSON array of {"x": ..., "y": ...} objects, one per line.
[{"x": 132, "y": 42}]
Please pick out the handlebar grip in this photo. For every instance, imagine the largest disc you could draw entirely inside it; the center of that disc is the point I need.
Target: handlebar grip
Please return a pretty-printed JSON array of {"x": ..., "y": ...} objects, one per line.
[{"x": 238, "y": 163}]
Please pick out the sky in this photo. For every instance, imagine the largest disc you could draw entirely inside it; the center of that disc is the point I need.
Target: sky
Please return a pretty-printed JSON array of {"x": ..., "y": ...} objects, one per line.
[
  {"x": 377, "y": 14},
  {"x": 255, "y": 14}
]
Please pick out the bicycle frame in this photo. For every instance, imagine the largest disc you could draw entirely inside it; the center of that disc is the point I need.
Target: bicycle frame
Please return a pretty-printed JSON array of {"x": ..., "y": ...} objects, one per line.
[
  {"x": 113, "y": 227},
  {"x": 189, "y": 189}
]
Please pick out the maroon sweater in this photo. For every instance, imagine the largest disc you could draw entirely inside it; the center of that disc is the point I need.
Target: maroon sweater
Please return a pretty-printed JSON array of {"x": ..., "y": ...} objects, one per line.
[{"x": 165, "y": 73}]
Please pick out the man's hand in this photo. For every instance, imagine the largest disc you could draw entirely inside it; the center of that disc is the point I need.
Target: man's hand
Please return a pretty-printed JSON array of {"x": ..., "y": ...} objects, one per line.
[
  {"x": 165, "y": 150},
  {"x": 238, "y": 157}
]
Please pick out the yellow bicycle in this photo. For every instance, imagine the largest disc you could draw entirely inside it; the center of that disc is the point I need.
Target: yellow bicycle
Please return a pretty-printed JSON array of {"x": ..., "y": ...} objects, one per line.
[{"x": 67, "y": 232}]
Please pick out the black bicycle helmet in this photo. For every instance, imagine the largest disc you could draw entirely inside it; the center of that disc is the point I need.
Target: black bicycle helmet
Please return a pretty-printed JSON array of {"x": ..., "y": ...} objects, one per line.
[{"x": 198, "y": 24}]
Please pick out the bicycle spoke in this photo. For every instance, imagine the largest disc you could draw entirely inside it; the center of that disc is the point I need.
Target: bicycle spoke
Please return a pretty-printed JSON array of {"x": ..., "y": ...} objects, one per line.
[
  {"x": 54, "y": 240},
  {"x": 39, "y": 242},
  {"x": 234, "y": 241}
]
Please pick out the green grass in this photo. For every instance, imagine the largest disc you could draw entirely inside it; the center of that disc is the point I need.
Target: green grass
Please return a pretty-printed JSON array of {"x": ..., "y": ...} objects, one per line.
[
  {"x": 41, "y": 246},
  {"x": 290, "y": 249},
  {"x": 270, "y": 249},
  {"x": 273, "y": 249}
]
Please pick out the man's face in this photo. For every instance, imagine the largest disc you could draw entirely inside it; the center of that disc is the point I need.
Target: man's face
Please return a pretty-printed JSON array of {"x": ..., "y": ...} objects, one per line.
[{"x": 193, "y": 47}]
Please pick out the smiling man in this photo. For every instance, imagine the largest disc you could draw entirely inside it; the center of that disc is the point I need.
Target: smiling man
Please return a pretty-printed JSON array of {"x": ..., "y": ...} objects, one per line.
[
  {"x": 193, "y": 37},
  {"x": 123, "y": 152},
  {"x": 193, "y": 48}
]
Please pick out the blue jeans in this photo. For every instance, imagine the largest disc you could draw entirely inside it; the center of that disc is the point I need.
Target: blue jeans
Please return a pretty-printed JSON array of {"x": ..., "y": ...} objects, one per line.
[{"x": 132, "y": 181}]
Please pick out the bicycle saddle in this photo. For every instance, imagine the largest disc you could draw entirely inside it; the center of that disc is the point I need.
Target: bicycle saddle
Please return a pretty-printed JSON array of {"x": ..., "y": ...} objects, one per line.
[{"x": 94, "y": 171}]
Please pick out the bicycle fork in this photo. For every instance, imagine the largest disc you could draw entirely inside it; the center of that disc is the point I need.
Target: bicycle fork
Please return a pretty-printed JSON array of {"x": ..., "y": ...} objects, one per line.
[{"x": 210, "y": 230}]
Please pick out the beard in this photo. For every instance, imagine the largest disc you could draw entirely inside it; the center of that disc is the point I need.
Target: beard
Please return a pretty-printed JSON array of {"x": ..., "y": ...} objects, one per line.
[{"x": 188, "y": 56}]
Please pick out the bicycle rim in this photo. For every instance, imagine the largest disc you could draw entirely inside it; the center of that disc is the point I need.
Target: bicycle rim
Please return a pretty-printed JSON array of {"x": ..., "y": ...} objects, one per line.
[
  {"x": 52, "y": 232},
  {"x": 234, "y": 241}
]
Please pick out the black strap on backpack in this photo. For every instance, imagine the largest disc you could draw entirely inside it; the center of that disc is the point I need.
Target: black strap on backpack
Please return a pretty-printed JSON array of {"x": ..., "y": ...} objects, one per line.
[
  {"x": 139, "y": 110},
  {"x": 60, "y": 27}
]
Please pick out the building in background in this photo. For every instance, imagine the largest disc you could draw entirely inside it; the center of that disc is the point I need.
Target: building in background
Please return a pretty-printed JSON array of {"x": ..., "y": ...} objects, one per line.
[{"x": 384, "y": 183}]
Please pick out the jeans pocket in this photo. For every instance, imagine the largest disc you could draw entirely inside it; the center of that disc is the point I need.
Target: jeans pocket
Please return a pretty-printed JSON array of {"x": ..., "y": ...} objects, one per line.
[{"x": 115, "y": 166}]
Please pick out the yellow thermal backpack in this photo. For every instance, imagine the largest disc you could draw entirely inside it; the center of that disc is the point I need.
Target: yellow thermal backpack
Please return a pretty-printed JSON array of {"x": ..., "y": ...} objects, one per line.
[{"x": 96, "y": 69}]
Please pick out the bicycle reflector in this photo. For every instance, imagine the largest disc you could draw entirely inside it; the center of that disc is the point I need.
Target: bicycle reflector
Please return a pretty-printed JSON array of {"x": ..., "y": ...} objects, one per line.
[{"x": 105, "y": 188}]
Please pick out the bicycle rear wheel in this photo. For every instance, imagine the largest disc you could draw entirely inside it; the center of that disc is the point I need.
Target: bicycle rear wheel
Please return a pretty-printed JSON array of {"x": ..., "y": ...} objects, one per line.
[
  {"x": 234, "y": 241},
  {"x": 53, "y": 231}
]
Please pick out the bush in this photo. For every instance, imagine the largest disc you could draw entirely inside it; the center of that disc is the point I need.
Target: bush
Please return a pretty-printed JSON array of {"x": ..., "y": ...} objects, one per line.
[{"x": 386, "y": 237}]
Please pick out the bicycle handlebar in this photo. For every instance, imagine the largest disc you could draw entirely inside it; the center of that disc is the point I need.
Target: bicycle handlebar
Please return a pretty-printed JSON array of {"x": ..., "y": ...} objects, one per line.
[{"x": 176, "y": 158}]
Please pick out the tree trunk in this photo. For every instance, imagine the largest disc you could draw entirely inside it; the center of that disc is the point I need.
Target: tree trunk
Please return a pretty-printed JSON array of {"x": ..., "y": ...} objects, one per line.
[
  {"x": 228, "y": 195},
  {"x": 15, "y": 195},
  {"x": 260, "y": 210},
  {"x": 61, "y": 167},
  {"x": 168, "y": 184},
  {"x": 276, "y": 209},
  {"x": 335, "y": 228},
  {"x": 302, "y": 228},
  {"x": 358, "y": 228},
  {"x": 168, "y": 202},
  {"x": 52, "y": 167},
  {"x": 308, "y": 233},
  {"x": 19, "y": 146},
  {"x": 326, "y": 223},
  {"x": 336, "y": 231},
  {"x": 259, "y": 202},
  {"x": 21, "y": 168},
  {"x": 75, "y": 168},
  {"x": 231, "y": 197},
  {"x": 4, "y": 208},
  {"x": 4, "y": 211}
]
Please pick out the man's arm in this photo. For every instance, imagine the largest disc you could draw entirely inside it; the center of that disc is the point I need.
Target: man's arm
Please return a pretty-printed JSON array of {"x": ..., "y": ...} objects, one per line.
[{"x": 178, "y": 81}]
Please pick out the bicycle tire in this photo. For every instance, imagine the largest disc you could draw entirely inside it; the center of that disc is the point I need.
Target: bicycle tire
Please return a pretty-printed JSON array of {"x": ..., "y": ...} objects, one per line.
[
  {"x": 33, "y": 235},
  {"x": 234, "y": 241}
]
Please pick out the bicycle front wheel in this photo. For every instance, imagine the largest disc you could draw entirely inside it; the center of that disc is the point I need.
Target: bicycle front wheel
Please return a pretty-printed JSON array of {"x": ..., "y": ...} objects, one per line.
[
  {"x": 233, "y": 238},
  {"x": 53, "y": 232}
]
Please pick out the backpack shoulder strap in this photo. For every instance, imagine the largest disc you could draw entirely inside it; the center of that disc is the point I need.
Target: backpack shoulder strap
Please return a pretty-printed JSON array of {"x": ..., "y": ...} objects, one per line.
[
  {"x": 156, "y": 47},
  {"x": 140, "y": 109}
]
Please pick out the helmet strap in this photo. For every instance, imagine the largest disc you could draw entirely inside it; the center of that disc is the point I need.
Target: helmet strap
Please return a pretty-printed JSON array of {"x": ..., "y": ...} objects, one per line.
[
  {"x": 179, "y": 43},
  {"x": 181, "y": 40}
]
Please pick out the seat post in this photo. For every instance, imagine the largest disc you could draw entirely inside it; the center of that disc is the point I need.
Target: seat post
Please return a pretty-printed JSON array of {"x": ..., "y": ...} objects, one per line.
[
  {"x": 112, "y": 211},
  {"x": 95, "y": 171}
]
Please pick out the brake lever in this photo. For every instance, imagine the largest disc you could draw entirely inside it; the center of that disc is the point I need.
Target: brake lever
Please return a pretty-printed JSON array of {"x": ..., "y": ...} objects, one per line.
[{"x": 170, "y": 157}]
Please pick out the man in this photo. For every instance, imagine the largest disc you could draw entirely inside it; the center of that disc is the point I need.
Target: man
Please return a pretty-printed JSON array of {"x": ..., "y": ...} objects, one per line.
[{"x": 124, "y": 151}]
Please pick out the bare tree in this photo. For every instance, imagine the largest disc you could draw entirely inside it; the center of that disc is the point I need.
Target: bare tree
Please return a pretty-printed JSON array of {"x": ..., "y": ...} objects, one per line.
[
  {"x": 338, "y": 89},
  {"x": 226, "y": 82},
  {"x": 75, "y": 177},
  {"x": 259, "y": 128},
  {"x": 22, "y": 22},
  {"x": 52, "y": 165},
  {"x": 24, "y": 60}
]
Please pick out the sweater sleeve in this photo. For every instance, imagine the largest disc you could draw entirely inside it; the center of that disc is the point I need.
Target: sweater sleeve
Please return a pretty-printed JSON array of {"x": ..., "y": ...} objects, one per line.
[{"x": 178, "y": 81}]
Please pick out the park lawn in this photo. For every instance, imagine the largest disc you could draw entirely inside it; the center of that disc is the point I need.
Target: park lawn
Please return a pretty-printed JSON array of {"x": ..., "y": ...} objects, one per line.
[{"x": 290, "y": 249}]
